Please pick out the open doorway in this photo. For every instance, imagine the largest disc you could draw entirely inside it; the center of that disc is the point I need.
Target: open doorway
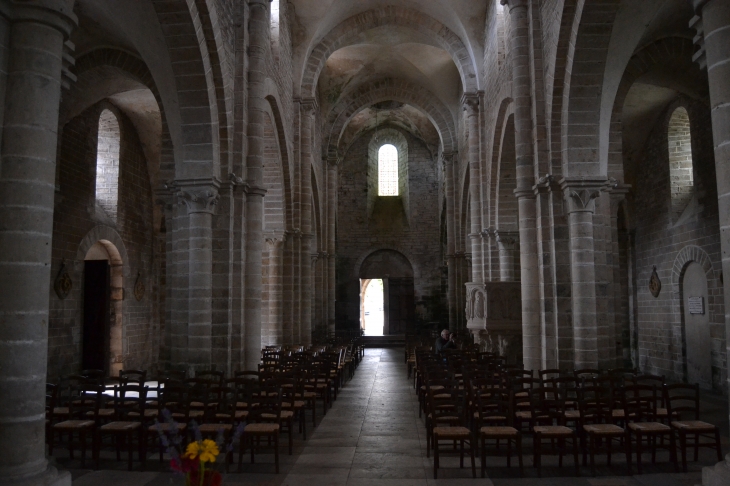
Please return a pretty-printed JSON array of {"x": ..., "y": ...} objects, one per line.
[
  {"x": 102, "y": 347},
  {"x": 372, "y": 317}
]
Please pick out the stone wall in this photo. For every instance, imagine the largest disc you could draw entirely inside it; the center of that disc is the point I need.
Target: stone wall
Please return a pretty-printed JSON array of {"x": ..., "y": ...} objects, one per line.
[
  {"x": 78, "y": 221},
  {"x": 417, "y": 240},
  {"x": 662, "y": 242}
]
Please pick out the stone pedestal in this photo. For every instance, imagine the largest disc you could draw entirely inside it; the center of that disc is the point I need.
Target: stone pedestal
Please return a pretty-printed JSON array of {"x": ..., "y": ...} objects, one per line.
[{"x": 494, "y": 318}]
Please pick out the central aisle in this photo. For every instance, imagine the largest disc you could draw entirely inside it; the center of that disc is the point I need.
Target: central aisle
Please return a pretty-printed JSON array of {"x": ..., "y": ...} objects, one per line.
[{"x": 372, "y": 435}]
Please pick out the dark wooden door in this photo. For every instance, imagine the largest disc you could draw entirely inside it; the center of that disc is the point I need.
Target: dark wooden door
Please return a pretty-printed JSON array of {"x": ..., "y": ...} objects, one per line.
[
  {"x": 96, "y": 316},
  {"x": 401, "y": 306}
]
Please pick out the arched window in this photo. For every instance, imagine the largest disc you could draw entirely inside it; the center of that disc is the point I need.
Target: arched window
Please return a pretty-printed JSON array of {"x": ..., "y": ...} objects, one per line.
[
  {"x": 387, "y": 171},
  {"x": 680, "y": 161},
  {"x": 275, "y": 20},
  {"x": 107, "y": 163}
]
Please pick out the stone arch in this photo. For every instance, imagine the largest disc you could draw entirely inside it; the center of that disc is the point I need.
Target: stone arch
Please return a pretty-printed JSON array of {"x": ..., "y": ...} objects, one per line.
[
  {"x": 194, "y": 78},
  {"x": 113, "y": 244},
  {"x": 506, "y": 109},
  {"x": 388, "y": 89},
  {"x": 393, "y": 248},
  {"x": 669, "y": 51},
  {"x": 100, "y": 64},
  {"x": 350, "y": 30},
  {"x": 282, "y": 143},
  {"x": 685, "y": 257},
  {"x": 585, "y": 55}
]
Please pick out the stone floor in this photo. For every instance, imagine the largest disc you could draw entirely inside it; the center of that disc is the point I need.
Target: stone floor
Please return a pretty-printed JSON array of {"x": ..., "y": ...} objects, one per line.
[{"x": 372, "y": 436}]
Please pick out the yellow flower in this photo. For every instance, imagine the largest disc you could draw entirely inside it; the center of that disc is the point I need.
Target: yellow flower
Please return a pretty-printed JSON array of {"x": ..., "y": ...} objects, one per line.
[
  {"x": 205, "y": 451},
  {"x": 192, "y": 450},
  {"x": 208, "y": 451}
]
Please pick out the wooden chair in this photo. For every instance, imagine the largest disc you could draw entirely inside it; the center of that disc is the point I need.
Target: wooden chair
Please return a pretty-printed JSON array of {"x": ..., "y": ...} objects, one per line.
[
  {"x": 263, "y": 422},
  {"x": 86, "y": 398},
  {"x": 494, "y": 422},
  {"x": 596, "y": 406},
  {"x": 684, "y": 400},
  {"x": 129, "y": 421},
  {"x": 446, "y": 422},
  {"x": 547, "y": 406},
  {"x": 174, "y": 407},
  {"x": 640, "y": 405}
]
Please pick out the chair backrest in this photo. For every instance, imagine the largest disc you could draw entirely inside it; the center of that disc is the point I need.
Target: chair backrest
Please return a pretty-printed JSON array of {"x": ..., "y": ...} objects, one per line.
[
  {"x": 86, "y": 401},
  {"x": 595, "y": 404},
  {"x": 586, "y": 373},
  {"x": 546, "y": 375},
  {"x": 492, "y": 405},
  {"x": 443, "y": 399},
  {"x": 639, "y": 402},
  {"x": 547, "y": 405},
  {"x": 135, "y": 376},
  {"x": 213, "y": 376},
  {"x": 51, "y": 399},
  {"x": 684, "y": 399},
  {"x": 131, "y": 398},
  {"x": 174, "y": 398},
  {"x": 97, "y": 376},
  {"x": 267, "y": 406}
]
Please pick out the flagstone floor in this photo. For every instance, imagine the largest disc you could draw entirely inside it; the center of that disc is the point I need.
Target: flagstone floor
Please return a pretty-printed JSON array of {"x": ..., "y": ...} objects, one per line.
[{"x": 372, "y": 436}]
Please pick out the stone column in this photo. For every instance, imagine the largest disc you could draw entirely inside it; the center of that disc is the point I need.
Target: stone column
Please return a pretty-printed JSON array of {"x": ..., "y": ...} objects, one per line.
[
  {"x": 308, "y": 108},
  {"x": 331, "y": 260},
  {"x": 201, "y": 203},
  {"x": 29, "y": 138},
  {"x": 448, "y": 159},
  {"x": 506, "y": 241},
  {"x": 527, "y": 207},
  {"x": 713, "y": 36},
  {"x": 276, "y": 301},
  {"x": 580, "y": 195},
  {"x": 470, "y": 102},
  {"x": 258, "y": 47}
]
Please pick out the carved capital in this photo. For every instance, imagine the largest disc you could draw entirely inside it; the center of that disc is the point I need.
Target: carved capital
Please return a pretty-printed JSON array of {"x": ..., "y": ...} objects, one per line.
[
  {"x": 450, "y": 157},
  {"x": 507, "y": 239},
  {"x": 309, "y": 106},
  {"x": 512, "y": 4},
  {"x": 203, "y": 200},
  {"x": 275, "y": 242},
  {"x": 581, "y": 194},
  {"x": 470, "y": 103},
  {"x": 254, "y": 190}
]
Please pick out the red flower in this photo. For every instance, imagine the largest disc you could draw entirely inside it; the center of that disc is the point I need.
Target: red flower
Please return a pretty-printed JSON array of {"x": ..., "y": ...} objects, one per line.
[
  {"x": 211, "y": 478},
  {"x": 184, "y": 465}
]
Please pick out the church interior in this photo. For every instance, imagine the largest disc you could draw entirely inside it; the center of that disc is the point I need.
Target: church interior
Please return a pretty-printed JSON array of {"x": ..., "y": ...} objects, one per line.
[{"x": 202, "y": 200}]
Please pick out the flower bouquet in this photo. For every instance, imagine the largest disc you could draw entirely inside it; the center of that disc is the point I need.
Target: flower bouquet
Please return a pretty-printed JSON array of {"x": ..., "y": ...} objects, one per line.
[{"x": 196, "y": 463}]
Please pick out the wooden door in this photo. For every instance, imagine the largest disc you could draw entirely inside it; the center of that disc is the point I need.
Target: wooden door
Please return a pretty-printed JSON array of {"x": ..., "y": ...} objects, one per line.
[
  {"x": 95, "y": 352},
  {"x": 401, "y": 306}
]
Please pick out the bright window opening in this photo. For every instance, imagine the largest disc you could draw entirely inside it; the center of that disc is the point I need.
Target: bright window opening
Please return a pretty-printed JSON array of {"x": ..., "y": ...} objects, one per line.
[
  {"x": 680, "y": 161},
  {"x": 372, "y": 307},
  {"x": 107, "y": 163},
  {"x": 388, "y": 171}
]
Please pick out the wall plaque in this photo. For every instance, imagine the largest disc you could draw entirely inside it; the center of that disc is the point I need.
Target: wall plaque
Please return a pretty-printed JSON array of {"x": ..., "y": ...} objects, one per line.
[{"x": 696, "y": 305}]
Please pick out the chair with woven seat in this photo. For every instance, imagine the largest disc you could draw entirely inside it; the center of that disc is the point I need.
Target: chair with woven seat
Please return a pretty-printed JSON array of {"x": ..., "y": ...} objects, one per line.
[
  {"x": 85, "y": 398},
  {"x": 264, "y": 421},
  {"x": 596, "y": 407},
  {"x": 129, "y": 407},
  {"x": 683, "y": 401},
  {"x": 494, "y": 422},
  {"x": 446, "y": 422},
  {"x": 174, "y": 406},
  {"x": 640, "y": 405},
  {"x": 547, "y": 407}
]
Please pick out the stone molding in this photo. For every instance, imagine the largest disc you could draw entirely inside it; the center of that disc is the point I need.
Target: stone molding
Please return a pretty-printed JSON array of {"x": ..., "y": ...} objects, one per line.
[
  {"x": 470, "y": 103},
  {"x": 309, "y": 106},
  {"x": 254, "y": 190},
  {"x": 57, "y": 14},
  {"x": 507, "y": 239},
  {"x": 514, "y": 3},
  {"x": 700, "y": 57}
]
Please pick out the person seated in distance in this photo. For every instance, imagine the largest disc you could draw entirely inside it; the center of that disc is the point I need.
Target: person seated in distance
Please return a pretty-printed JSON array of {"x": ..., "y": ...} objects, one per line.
[{"x": 445, "y": 341}]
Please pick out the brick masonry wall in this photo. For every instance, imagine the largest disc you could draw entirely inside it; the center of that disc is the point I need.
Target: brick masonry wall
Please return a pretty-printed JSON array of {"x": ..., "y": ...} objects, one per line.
[
  {"x": 75, "y": 216},
  {"x": 658, "y": 241},
  {"x": 419, "y": 240}
]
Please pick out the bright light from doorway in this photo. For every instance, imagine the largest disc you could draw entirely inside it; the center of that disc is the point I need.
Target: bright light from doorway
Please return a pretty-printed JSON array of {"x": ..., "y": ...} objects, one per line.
[{"x": 372, "y": 307}]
